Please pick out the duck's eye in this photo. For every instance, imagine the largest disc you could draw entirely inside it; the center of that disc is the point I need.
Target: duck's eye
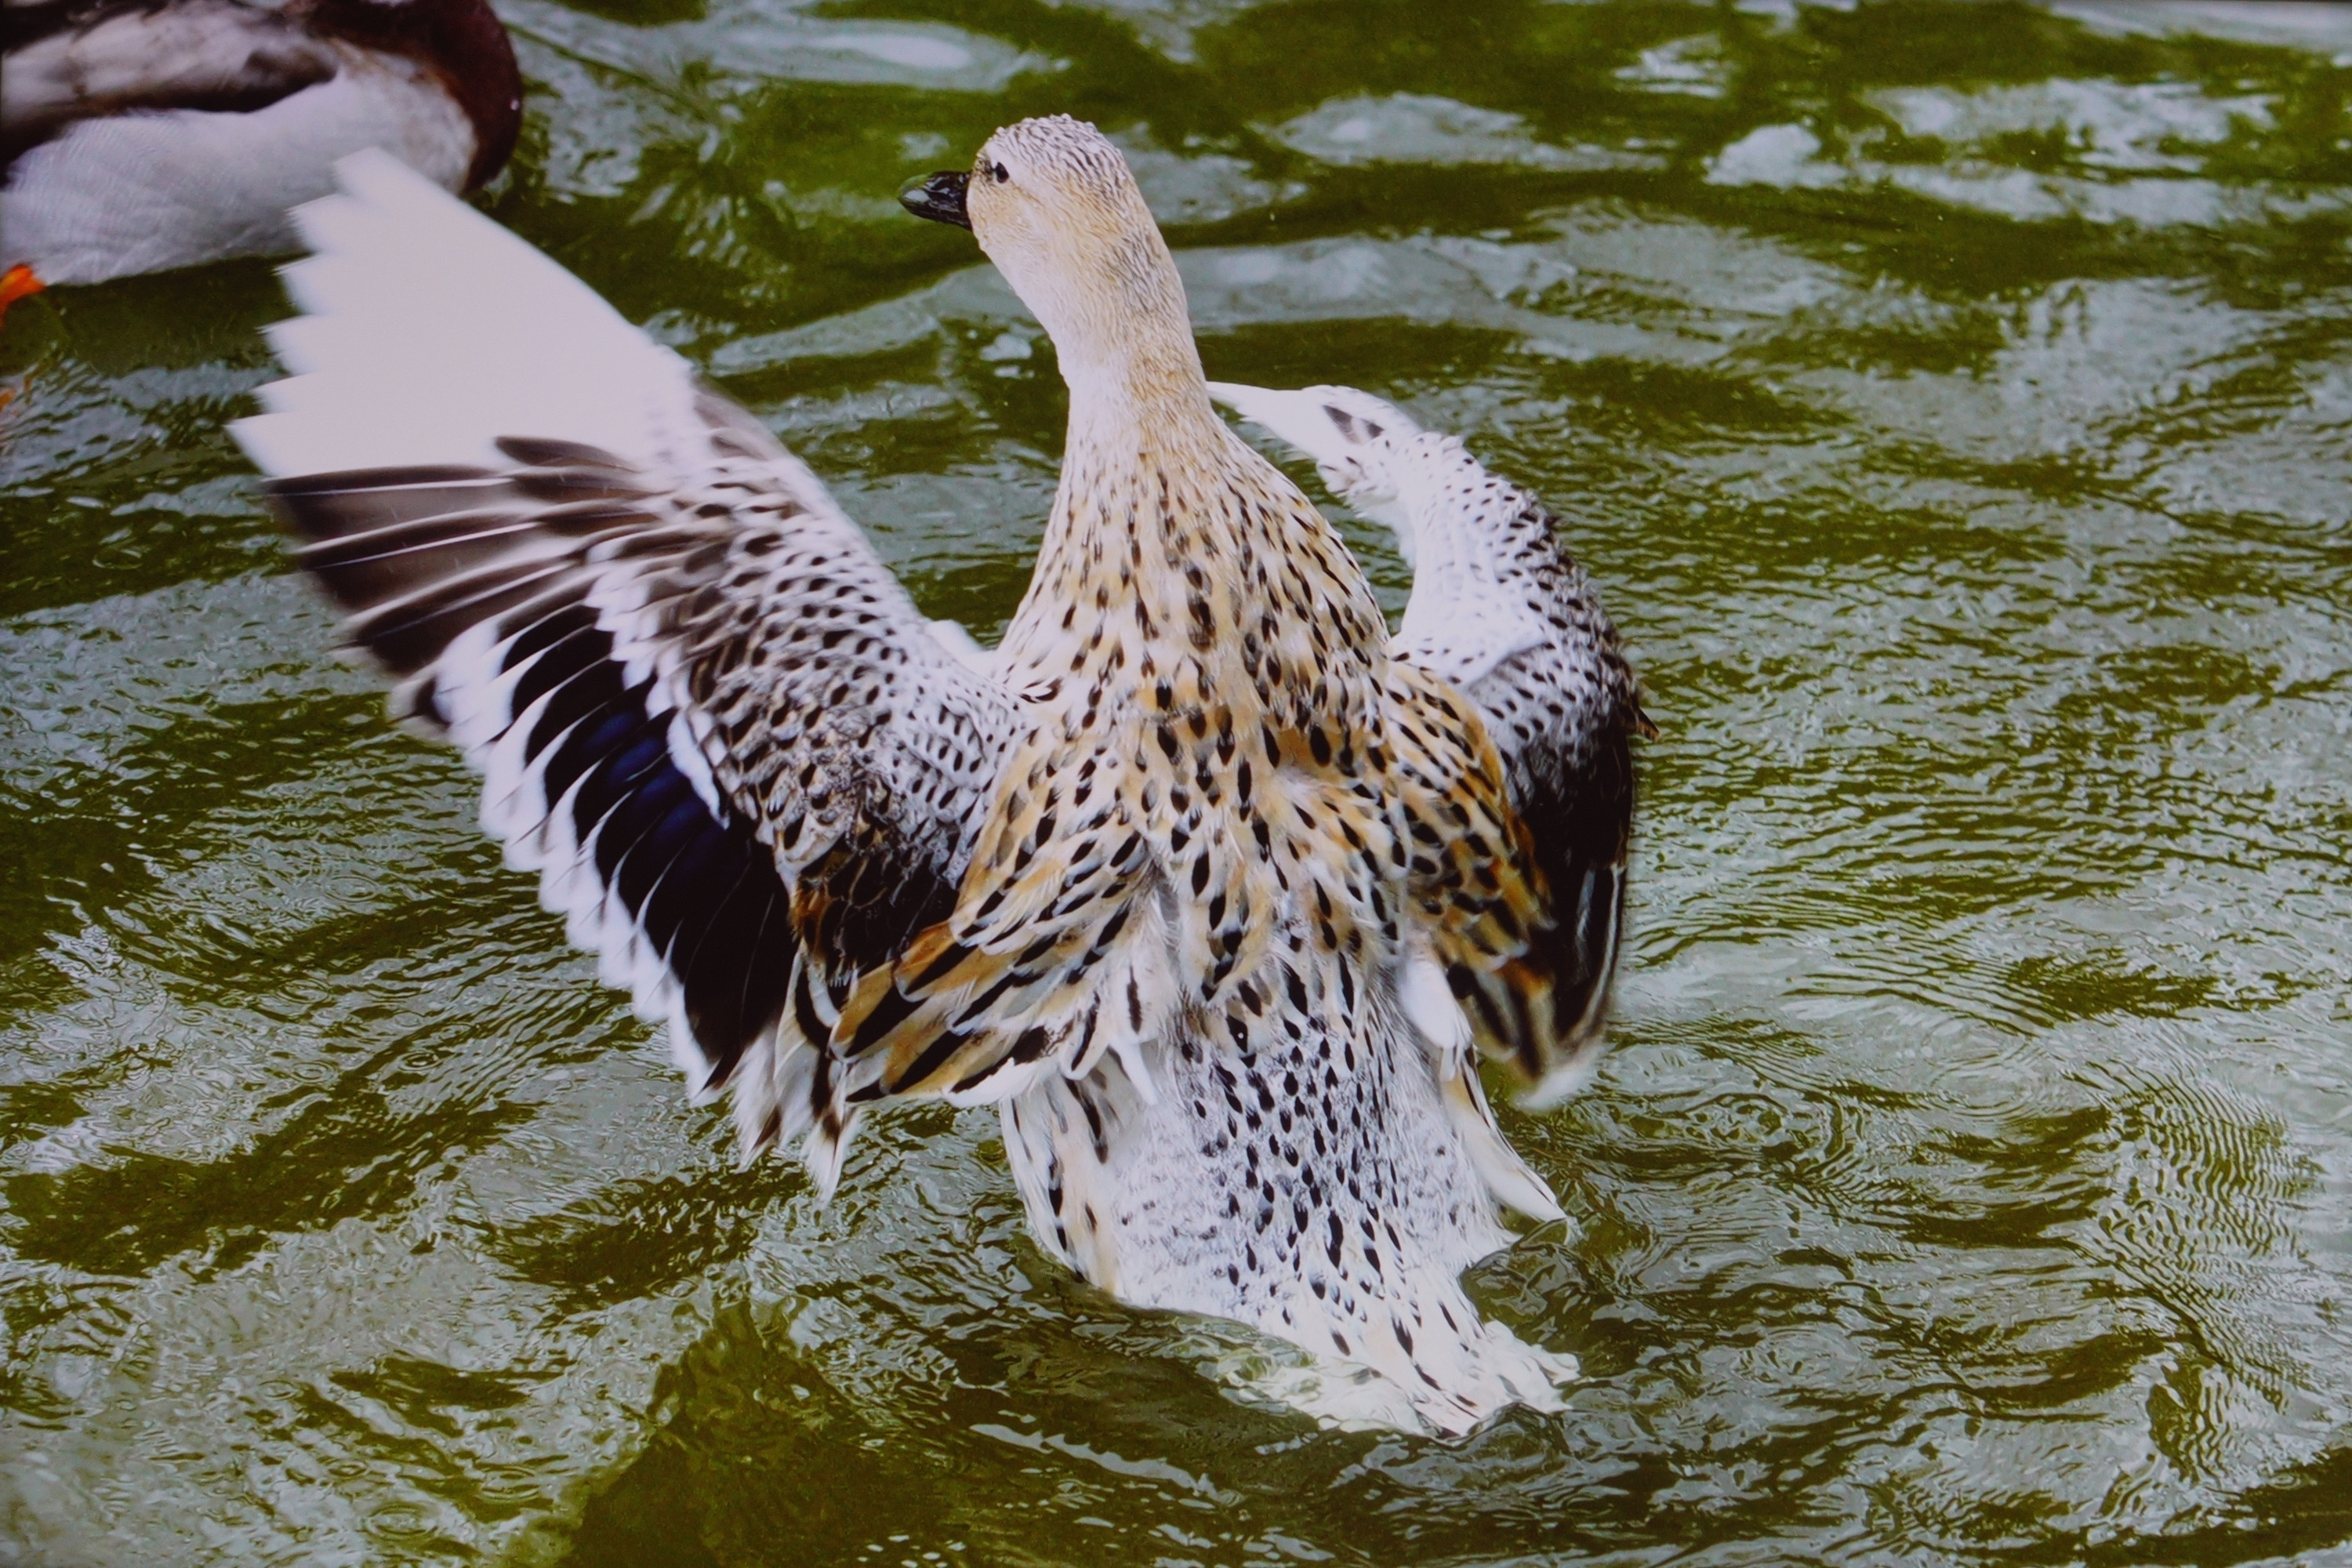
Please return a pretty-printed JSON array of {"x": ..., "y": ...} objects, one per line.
[{"x": 999, "y": 172}]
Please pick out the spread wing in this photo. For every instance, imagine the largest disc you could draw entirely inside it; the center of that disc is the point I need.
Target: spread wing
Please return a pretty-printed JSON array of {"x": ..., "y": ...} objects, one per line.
[
  {"x": 1570, "y": 773},
  {"x": 66, "y": 62},
  {"x": 1528, "y": 912},
  {"x": 745, "y": 768}
]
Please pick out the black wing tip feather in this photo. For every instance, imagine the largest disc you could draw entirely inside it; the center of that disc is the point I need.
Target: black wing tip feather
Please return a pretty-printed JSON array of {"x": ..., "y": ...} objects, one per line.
[
  {"x": 320, "y": 512},
  {"x": 1580, "y": 816},
  {"x": 546, "y": 452},
  {"x": 363, "y": 481}
]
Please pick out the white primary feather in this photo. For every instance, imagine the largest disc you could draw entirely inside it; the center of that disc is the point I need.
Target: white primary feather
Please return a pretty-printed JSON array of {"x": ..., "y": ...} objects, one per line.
[
  {"x": 1509, "y": 1178},
  {"x": 685, "y": 756},
  {"x": 429, "y": 331},
  {"x": 1302, "y": 417},
  {"x": 127, "y": 194},
  {"x": 1142, "y": 970},
  {"x": 476, "y": 694}
]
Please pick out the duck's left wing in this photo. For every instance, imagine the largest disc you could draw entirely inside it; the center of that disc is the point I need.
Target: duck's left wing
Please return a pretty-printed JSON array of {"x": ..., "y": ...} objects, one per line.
[
  {"x": 1501, "y": 615},
  {"x": 745, "y": 767}
]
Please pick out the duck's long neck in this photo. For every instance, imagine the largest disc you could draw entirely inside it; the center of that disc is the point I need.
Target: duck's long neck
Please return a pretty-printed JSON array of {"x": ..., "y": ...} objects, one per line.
[
  {"x": 1141, "y": 517},
  {"x": 1124, "y": 342},
  {"x": 1147, "y": 405},
  {"x": 1179, "y": 564}
]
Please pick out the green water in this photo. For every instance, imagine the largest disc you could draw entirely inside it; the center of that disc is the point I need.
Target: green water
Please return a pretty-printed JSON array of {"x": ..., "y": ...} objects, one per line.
[{"x": 1956, "y": 406}]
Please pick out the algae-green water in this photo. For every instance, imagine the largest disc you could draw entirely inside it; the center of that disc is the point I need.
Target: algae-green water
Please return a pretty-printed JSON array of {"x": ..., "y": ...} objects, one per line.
[{"x": 1954, "y": 405}]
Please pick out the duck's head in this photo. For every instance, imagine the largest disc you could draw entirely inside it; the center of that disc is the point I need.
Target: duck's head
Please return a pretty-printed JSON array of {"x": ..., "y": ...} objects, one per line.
[{"x": 1055, "y": 207}]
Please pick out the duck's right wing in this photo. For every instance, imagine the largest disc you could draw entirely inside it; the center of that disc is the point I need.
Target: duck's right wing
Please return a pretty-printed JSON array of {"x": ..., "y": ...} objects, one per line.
[
  {"x": 1499, "y": 614},
  {"x": 745, "y": 767}
]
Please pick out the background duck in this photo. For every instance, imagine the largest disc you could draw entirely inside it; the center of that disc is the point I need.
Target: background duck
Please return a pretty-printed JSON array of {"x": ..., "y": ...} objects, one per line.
[{"x": 140, "y": 137}]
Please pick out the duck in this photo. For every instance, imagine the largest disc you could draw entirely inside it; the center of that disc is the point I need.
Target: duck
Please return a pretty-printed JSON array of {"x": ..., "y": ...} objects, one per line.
[
  {"x": 143, "y": 135},
  {"x": 1218, "y": 892}
]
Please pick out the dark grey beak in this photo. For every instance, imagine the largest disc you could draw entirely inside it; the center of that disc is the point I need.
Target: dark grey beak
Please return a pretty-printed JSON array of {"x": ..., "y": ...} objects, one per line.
[{"x": 938, "y": 199}]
